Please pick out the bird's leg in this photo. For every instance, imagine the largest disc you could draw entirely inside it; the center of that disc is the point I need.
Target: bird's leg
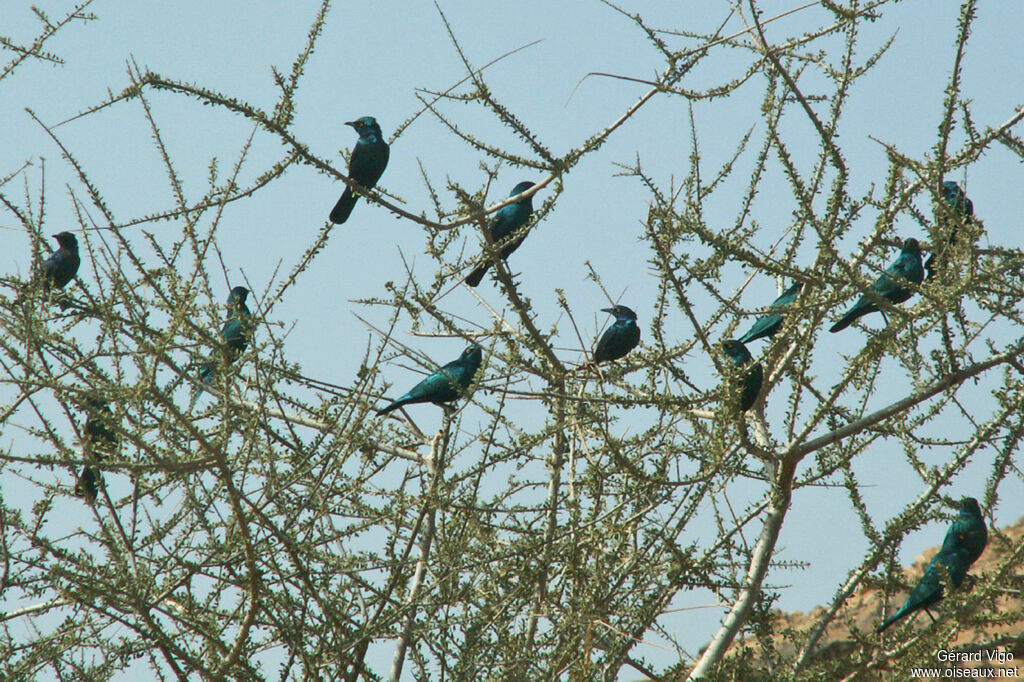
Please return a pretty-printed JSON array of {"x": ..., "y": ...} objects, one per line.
[{"x": 929, "y": 614}]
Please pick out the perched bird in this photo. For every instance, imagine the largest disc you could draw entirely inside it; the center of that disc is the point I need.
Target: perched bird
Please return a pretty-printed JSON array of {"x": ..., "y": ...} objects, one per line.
[
  {"x": 366, "y": 165},
  {"x": 906, "y": 268},
  {"x": 751, "y": 379},
  {"x": 506, "y": 222},
  {"x": 87, "y": 485},
  {"x": 62, "y": 265},
  {"x": 620, "y": 338},
  {"x": 235, "y": 335},
  {"x": 99, "y": 438},
  {"x": 964, "y": 543},
  {"x": 446, "y": 384},
  {"x": 236, "y": 329},
  {"x": 769, "y": 324},
  {"x": 961, "y": 210}
]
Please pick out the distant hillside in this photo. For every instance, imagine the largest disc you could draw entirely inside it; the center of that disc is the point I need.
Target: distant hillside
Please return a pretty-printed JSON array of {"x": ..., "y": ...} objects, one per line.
[{"x": 850, "y": 647}]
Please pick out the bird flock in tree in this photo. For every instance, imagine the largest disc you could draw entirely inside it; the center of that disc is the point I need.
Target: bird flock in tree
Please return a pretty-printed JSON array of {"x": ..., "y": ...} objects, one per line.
[{"x": 967, "y": 536}]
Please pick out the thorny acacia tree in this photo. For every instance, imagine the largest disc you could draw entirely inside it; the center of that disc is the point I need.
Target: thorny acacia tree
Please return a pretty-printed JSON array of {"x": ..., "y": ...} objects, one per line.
[{"x": 282, "y": 531}]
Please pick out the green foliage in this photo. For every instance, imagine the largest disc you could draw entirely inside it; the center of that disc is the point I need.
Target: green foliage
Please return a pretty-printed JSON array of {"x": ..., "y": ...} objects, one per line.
[{"x": 548, "y": 529}]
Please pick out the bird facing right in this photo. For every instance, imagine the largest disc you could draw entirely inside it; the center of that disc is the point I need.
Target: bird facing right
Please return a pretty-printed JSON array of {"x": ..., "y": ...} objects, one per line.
[
  {"x": 620, "y": 338},
  {"x": 770, "y": 323},
  {"x": 448, "y": 383},
  {"x": 964, "y": 542},
  {"x": 365, "y": 166},
  {"x": 507, "y": 221},
  {"x": 890, "y": 285}
]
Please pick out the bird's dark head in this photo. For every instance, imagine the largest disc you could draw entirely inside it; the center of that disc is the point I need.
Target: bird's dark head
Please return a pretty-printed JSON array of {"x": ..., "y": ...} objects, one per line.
[
  {"x": 794, "y": 287},
  {"x": 911, "y": 245},
  {"x": 366, "y": 126},
  {"x": 969, "y": 505},
  {"x": 238, "y": 294},
  {"x": 94, "y": 402},
  {"x": 736, "y": 351},
  {"x": 955, "y": 197},
  {"x": 473, "y": 354},
  {"x": 621, "y": 313},
  {"x": 66, "y": 240},
  {"x": 520, "y": 188},
  {"x": 951, "y": 190}
]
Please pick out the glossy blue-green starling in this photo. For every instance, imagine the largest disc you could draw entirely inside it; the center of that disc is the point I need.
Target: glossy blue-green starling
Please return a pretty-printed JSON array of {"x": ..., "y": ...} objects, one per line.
[
  {"x": 965, "y": 541},
  {"x": 889, "y": 286},
  {"x": 62, "y": 265},
  {"x": 235, "y": 336},
  {"x": 751, "y": 379},
  {"x": 618, "y": 339},
  {"x": 98, "y": 438},
  {"x": 366, "y": 165},
  {"x": 506, "y": 222},
  {"x": 446, "y": 384},
  {"x": 959, "y": 210},
  {"x": 770, "y": 323}
]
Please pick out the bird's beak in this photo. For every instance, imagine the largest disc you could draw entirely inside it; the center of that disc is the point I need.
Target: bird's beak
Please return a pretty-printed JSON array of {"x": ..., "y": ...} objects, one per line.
[
  {"x": 351, "y": 123},
  {"x": 608, "y": 310}
]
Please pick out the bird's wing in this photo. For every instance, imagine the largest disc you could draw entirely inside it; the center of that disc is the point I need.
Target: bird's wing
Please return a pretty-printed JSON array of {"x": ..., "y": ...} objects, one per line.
[
  {"x": 367, "y": 165},
  {"x": 904, "y": 267}
]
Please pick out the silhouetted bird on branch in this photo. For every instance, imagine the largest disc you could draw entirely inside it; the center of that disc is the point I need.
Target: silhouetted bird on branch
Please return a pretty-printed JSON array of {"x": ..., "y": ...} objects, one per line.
[
  {"x": 620, "y": 338},
  {"x": 750, "y": 380},
  {"x": 235, "y": 337},
  {"x": 770, "y": 323},
  {"x": 446, "y": 384},
  {"x": 365, "y": 166},
  {"x": 965, "y": 541},
  {"x": 960, "y": 212},
  {"x": 507, "y": 222},
  {"x": 98, "y": 438},
  {"x": 62, "y": 265},
  {"x": 890, "y": 286}
]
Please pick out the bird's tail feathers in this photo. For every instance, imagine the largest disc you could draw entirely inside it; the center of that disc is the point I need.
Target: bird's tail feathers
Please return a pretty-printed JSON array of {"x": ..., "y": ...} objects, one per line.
[
  {"x": 474, "y": 278},
  {"x": 86, "y": 486},
  {"x": 343, "y": 209},
  {"x": 196, "y": 392},
  {"x": 848, "y": 319},
  {"x": 393, "y": 406},
  {"x": 748, "y": 337},
  {"x": 206, "y": 374},
  {"x": 889, "y": 621},
  {"x": 842, "y": 324}
]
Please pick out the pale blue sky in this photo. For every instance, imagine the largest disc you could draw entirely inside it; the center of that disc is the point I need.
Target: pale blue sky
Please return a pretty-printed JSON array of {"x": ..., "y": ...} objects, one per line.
[{"x": 370, "y": 60}]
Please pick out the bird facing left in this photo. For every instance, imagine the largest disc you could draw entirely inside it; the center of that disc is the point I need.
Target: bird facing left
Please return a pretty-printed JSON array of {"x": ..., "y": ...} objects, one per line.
[
  {"x": 620, "y": 338},
  {"x": 366, "y": 165},
  {"x": 750, "y": 380},
  {"x": 62, "y": 265}
]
